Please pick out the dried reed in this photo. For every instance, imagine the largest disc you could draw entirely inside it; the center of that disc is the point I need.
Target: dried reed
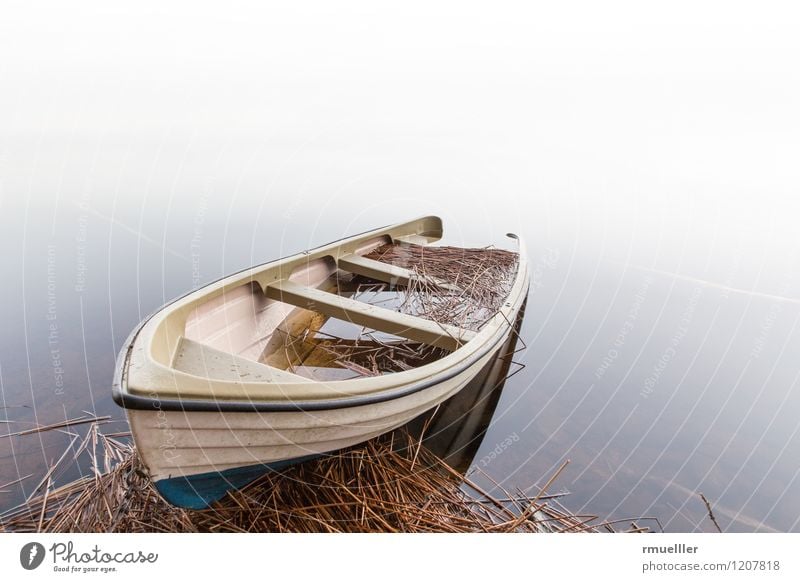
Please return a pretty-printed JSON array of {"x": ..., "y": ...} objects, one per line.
[
  {"x": 389, "y": 484},
  {"x": 454, "y": 286}
]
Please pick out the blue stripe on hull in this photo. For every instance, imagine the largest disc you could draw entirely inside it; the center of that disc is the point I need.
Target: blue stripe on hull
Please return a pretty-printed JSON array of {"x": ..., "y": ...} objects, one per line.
[{"x": 200, "y": 491}]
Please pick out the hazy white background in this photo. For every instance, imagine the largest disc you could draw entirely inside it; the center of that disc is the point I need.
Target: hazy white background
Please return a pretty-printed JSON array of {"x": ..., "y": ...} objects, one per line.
[{"x": 598, "y": 119}]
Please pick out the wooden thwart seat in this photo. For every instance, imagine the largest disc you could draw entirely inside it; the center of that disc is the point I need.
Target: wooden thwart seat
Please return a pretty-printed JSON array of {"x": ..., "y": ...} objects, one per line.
[
  {"x": 375, "y": 270},
  {"x": 385, "y": 272},
  {"x": 372, "y": 316}
]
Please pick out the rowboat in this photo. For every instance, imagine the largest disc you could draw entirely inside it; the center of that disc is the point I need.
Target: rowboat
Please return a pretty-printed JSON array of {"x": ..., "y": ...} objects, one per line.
[{"x": 312, "y": 353}]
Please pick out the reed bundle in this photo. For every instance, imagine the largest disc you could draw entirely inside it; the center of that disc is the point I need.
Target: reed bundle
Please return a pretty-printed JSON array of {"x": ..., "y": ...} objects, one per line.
[
  {"x": 455, "y": 286},
  {"x": 451, "y": 286},
  {"x": 389, "y": 484}
]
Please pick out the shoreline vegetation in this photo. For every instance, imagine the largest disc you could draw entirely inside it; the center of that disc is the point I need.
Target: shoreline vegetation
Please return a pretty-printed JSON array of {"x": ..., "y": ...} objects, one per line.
[{"x": 392, "y": 483}]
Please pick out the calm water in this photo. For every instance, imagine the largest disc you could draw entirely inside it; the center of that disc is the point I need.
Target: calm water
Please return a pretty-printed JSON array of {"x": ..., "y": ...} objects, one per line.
[{"x": 659, "y": 370}]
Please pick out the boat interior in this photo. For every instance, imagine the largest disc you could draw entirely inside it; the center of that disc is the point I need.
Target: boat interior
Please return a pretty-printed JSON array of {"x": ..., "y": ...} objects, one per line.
[{"x": 330, "y": 319}]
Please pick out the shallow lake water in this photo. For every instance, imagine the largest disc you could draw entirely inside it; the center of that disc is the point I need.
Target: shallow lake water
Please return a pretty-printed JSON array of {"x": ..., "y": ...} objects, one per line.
[{"x": 660, "y": 371}]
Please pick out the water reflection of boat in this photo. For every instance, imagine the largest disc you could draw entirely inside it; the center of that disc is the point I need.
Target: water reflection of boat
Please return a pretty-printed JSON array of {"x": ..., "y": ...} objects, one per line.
[
  {"x": 455, "y": 431},
  {"x": 246, "y": 374}
]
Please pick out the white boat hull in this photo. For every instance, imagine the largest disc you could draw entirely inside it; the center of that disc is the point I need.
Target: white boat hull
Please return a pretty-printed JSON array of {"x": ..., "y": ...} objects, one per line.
[{"x": 179, "y": 444}]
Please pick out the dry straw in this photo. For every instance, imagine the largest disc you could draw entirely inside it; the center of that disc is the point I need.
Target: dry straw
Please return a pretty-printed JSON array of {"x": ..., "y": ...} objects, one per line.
[{"x": 389, "y": 484}]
